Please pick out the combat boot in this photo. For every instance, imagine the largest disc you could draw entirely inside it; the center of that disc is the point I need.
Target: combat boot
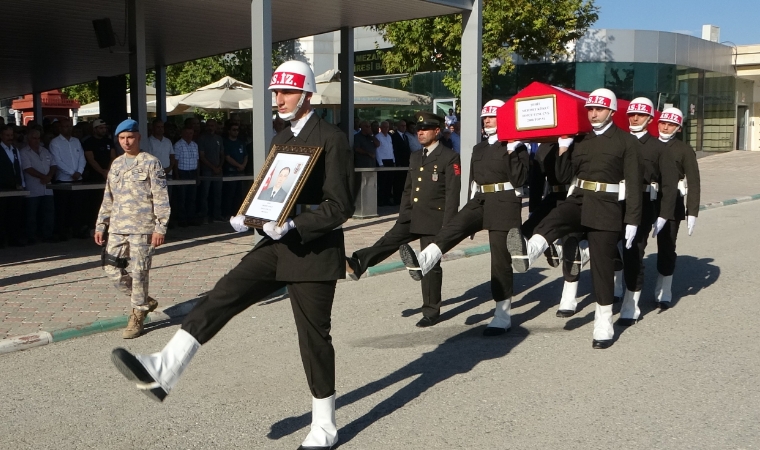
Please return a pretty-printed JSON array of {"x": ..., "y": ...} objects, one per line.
[{"x": 135, "y": 324}]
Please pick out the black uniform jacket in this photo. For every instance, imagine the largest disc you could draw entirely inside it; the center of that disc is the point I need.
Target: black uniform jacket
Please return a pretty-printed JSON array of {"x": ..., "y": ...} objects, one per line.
[
  {"x": 7, "y": 172},
  {"x": 431, "y": 192},
  {"x": 314, "y": 251},
  {"x": 686, "y": 164},
  {"x": 659, "y": 167},
  {"x": 546, "y": 161},
  {"x": 610, "y": 157},
  {"x": 491, "y": 164}
]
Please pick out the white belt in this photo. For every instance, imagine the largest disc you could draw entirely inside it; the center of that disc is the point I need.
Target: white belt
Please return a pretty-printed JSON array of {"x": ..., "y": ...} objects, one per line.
[
  {"x": 496, "y": 187},
  {"x": 653, "y": 188},
  {"x": 683, "y": 187},
  {"x": 596, "y": 186}
]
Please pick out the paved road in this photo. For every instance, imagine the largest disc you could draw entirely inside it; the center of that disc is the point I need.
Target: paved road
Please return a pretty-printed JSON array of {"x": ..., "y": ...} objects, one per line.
[{"x": 682, "y": 379}]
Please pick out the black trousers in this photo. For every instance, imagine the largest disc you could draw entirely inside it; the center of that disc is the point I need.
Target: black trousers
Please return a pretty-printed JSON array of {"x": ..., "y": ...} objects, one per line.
[
  {"x": 633, "y": 258},
  {"x": 540, "y": 211},
  {"x": 12, "y": 215},
  {"x": 566, "y": 219},
  {"x": 68, "y": 211},
  {"x": 186, "y": 196},
  {"x": 253, "y": 279},
  {"x": 385, "y": 184},
  {"x": 387, "y": 246},
  {"x": 666, "y": 248},
  {"x": 469, "y": 221}
]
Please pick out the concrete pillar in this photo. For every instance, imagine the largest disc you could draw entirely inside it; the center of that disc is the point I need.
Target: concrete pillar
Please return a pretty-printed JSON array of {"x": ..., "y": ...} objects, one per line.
[
  {"x": 261, "y": 74},
  {"x": 37, "y": 105},
  {"x": 137, "y": 64},
  {"x": 472, "y": 56},
  {"x": 346, "y": 67},
  {"x": 161, "y": 92}
]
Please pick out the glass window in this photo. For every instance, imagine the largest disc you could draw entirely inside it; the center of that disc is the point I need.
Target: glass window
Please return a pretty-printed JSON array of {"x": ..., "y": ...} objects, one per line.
[{"x": 589, "y": 76}]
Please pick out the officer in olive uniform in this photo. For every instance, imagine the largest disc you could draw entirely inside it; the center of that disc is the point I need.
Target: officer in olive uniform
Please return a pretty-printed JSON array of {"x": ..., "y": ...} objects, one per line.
[
  {"x": 687, "y": 202},
  {"x": 659, "y": 188},
  {"x": 135, "y": 211},
  {"x": 429, "y": 200},
  {"x": 306, "y": 255},
  {"x": 497, "y": 174},
  {"x": 606, "y": 157}
]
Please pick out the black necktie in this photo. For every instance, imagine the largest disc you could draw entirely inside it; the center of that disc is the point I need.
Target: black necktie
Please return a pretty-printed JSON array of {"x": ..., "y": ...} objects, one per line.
[
  {"x": 16, "y": 167},
  {"x": 424, "y": 153}
]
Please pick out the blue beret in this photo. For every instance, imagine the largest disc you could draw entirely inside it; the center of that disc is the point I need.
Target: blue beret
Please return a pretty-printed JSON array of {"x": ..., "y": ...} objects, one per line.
[{"x": 127, "y": 125}]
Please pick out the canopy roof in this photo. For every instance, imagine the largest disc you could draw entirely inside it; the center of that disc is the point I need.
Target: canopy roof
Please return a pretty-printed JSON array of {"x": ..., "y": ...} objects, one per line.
[{"x": 51, "y": 44}]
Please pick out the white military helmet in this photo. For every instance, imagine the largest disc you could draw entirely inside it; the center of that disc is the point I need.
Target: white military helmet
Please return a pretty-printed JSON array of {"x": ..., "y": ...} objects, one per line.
[
  {"x": 293, "y": 75},
  {"x": 603, "y": 98},
  {"x": 672, "y": 115},
  {"x": 641, "y": 105},
  {"x": 489, "y": 109}
]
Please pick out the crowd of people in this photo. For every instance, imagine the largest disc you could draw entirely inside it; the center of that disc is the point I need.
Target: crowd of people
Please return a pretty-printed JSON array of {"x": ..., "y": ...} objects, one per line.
[{"x": 39, "y": 156}]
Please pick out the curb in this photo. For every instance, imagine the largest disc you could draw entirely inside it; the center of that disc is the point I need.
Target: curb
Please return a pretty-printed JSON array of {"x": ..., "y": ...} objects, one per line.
[{"x": 174, "y": 312}]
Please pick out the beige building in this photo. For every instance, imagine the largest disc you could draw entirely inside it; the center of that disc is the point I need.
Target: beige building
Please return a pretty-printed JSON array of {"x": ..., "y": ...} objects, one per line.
[{"x": 748, "y": 68}]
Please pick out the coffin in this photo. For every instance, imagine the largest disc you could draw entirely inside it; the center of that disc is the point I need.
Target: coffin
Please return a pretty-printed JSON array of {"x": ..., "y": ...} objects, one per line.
[{"x": 543, "y": 113}]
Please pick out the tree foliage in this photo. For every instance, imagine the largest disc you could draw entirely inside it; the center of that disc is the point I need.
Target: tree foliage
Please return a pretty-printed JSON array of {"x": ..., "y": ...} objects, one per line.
[
  {"x": 531, "y": 29},
  {"x": 190, "y": 75}
]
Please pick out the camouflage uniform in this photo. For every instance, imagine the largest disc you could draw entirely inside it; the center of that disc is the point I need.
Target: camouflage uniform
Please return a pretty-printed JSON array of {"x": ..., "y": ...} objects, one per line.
[{"x": 135, "y": 205}]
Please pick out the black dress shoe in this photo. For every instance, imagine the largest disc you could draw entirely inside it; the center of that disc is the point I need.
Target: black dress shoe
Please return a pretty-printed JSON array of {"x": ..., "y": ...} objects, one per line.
[
  {"x": 133, "y": 370},
  {"x": 626, "y": 322},
  {"x": 410, "y": 261},
  {"x": 551, "y": 256},
  {"x": 495, "y": 331},
  {"x": 663, "y": 305},
  {"x": 355, "y": 272},
  {"x": 301, "y": 447},
  {"x": 565, "y": 313},
  {"x": 427, "y": 322},
  {"x": 607, "y": 343}
]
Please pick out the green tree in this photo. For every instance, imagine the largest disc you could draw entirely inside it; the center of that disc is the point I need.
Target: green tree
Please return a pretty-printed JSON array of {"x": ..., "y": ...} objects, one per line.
[{"x": 531, "y": 29}]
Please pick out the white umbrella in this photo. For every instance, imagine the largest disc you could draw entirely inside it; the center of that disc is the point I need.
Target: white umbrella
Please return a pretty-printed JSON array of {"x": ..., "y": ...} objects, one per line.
[
  {"x": 365, "y": 94},
  {"x": 226, "y": 94},
  {"x": 93, "y": 109}
]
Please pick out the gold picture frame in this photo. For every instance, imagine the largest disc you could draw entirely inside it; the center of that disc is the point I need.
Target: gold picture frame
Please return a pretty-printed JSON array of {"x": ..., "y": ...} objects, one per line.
[
  {"x": 542, "y": 123},
  {"x": 278, "y": 184}
]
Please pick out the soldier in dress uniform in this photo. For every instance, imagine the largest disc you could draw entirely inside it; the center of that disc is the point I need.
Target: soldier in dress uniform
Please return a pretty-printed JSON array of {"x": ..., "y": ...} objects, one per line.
[
  {"x": 497, "y": 174},
  {"x": 306, "y": 255},
  {"x": 429, "y": 200},
  {"x": 574, "y": 247},
  {"x": 134, "y": 212},
  {"x": 599, "y": 163},
  {"x": 659, "y": 189},
  {"x": 687, "y": 202}
]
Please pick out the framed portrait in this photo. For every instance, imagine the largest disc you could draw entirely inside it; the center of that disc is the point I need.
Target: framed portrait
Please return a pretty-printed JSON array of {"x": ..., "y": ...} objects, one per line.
[{"x": 278, "y": 184}]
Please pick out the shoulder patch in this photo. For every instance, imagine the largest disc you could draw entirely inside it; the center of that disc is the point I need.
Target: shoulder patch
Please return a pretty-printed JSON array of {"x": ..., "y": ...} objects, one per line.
[{"x": 457, "y": 169}]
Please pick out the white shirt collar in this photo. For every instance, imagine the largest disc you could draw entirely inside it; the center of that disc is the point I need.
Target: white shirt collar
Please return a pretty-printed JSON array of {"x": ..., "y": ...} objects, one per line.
[
  {"x": 297, "y": 125},
  {"x": 606, "y": 127},
  {"x": 639, "y": 134}
]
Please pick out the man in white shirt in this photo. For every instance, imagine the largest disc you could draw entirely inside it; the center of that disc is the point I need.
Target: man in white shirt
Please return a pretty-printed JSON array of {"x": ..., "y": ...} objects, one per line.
[
  {"x": 68, "y": 156},
  {"x": 37, "y": 164},
  {"x": 385, "y": 158},
  {"x": 161, "y": 147}
]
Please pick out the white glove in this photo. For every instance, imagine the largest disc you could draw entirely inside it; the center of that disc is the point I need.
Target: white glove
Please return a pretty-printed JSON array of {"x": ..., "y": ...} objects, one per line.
[
  {"x": 513, "y": 145},
  {"x": 238, "y": 223},
  {"x": 275, "y": 232},
  {"x": 565, "y": 142},
  {"x": 659, "y": 225},
  {"x": 630, "y": 233},
  {"x": 690, "y": 222}
]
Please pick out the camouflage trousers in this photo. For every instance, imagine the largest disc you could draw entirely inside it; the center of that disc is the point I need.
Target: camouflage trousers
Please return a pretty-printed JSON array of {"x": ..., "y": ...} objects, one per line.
[{"x": 133, "y": 280}]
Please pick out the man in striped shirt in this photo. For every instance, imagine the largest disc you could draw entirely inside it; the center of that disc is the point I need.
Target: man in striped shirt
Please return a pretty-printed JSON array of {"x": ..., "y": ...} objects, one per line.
[{"x": 186, "y": 152}]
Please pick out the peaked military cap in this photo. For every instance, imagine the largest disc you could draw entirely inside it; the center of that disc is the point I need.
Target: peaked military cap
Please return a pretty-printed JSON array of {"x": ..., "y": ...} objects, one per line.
[{"x": 427, "y": 120}]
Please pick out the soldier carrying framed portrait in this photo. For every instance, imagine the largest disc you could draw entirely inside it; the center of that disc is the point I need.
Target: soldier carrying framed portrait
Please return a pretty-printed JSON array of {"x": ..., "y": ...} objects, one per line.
[{"x": 278, "y": 184}]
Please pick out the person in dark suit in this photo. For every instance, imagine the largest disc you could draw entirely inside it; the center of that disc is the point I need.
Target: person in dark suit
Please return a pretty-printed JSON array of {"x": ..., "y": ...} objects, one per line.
[
  {"x": 11, "y": 178},
  {"x": 401, "y": 153},
  {"x": 687, "y": 202},
  {"x": 430, "y": 200},
  {"x": 276, "y": 193},
  {"x": 306, "y": 255},
  {"x": 606, "y": 157},
  {"x": 497, "y": 174},
  {"x": 660, "y": 190}
]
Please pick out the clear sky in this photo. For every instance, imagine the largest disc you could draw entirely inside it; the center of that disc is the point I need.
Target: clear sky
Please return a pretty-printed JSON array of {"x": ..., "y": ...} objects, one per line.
[{"x": 739, "y": 20}]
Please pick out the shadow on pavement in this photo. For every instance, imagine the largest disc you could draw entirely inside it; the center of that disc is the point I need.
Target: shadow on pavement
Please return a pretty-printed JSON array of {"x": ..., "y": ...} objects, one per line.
[{"x": 458, "y": 354}]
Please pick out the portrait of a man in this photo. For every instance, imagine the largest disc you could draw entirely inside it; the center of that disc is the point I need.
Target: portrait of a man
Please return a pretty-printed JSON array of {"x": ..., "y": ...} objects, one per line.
[{"x": 276, "y": 193}]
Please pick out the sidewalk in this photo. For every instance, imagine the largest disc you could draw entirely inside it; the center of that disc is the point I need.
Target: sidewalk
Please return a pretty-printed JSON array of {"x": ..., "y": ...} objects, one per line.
[{"x": 61, "y": 288}]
